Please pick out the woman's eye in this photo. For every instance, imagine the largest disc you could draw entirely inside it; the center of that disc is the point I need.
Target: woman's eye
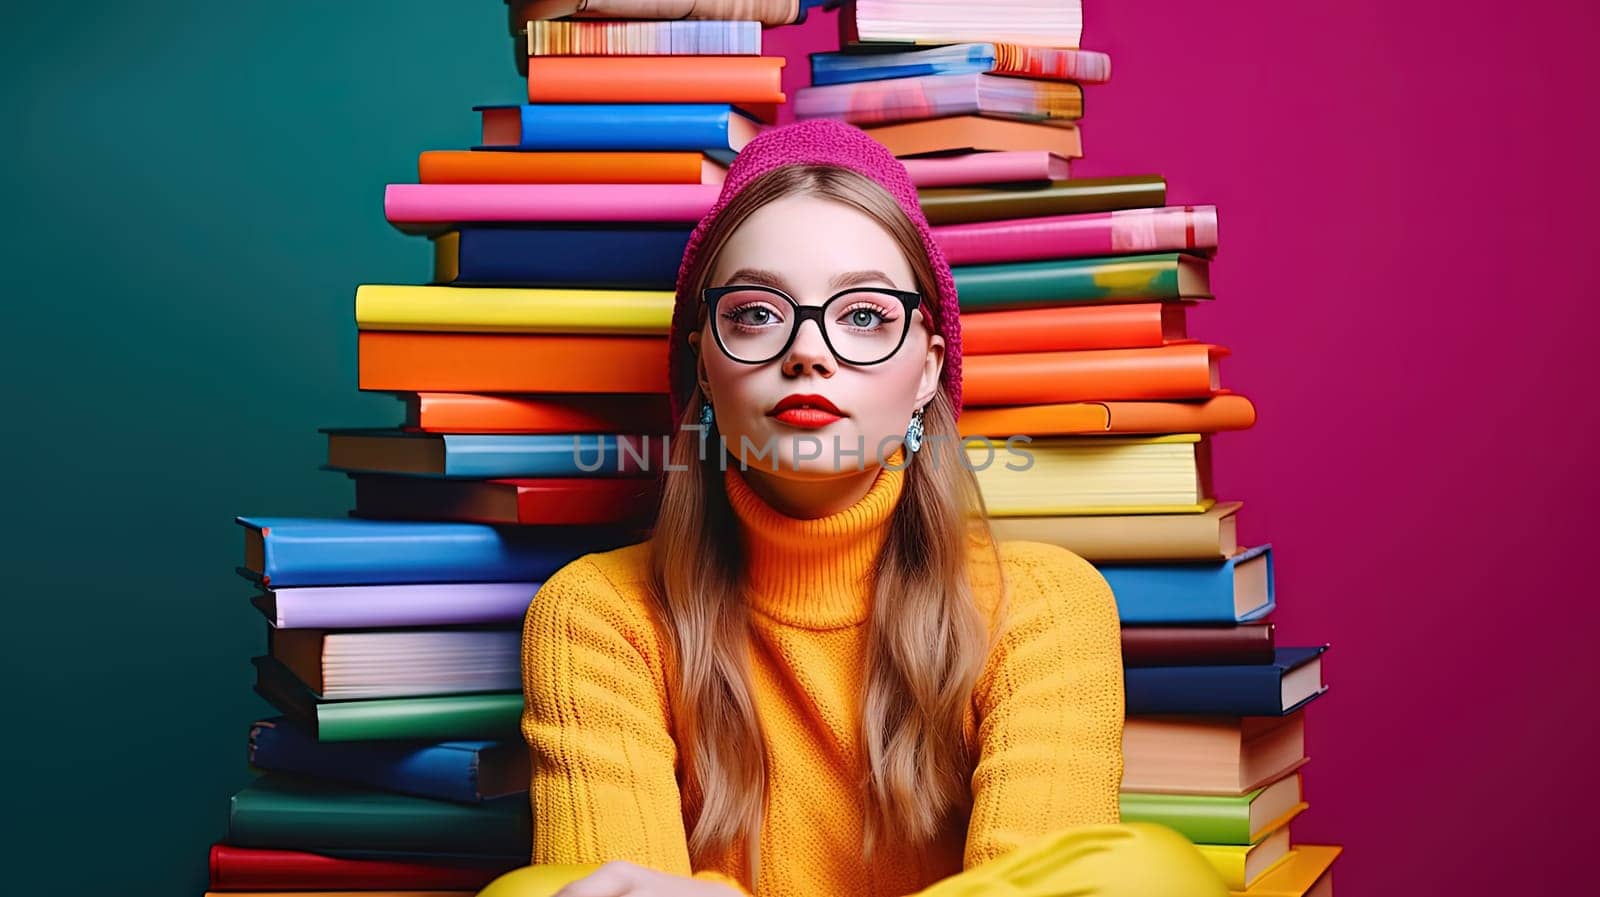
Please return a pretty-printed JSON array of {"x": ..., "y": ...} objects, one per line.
[
  {"x": 753, "y": 316},
  {"x": 864, "y": 317}
]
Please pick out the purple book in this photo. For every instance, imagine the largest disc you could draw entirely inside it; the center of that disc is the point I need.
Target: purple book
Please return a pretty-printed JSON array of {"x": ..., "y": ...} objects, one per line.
[{"x": 429, "y": 604}]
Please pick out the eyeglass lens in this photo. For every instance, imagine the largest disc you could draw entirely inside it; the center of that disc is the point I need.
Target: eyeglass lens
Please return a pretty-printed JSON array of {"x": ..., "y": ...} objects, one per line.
[{"x": 863, "y": 327}]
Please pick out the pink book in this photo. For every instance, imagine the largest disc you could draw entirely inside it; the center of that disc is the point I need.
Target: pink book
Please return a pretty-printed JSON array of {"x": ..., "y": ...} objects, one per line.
[
  {"x": 1006, "y": 167},
  {"x": 427, "y": 604},
  {"x": 431, "y": 206},
  {"x": 1169, "y": 229}
]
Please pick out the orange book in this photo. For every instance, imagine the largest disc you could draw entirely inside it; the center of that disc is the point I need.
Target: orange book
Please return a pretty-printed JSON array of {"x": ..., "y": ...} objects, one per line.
[
  {"x": 750, "y": 81},
  {"x": 405, "y": 361},
  {"x": 1184, "y": 371},
  {"x": 565, "y": 501},
  {"x": 454, "y": 412},
  {"x": 974, "y": 132},
  {"x": 1061, "y": 328},
  {"x": 485, "y": 167},
  {"x": 1213, "y": 415}
]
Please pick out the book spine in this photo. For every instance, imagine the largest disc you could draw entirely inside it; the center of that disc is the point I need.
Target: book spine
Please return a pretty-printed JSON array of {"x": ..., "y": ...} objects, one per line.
[
  {"x": 1181, "y": 593},
  {"x": 447, "y": 204},
  {"x": 1033, "y": 284},
  {"x": 259, "y": 869},
  {"x": 1219, "y": 690},
  {"x": 1127, "y": 231},
  {"x": 493, "y": 715},
  {"x": 347, "y": 819},
  {"x": 755, "y": 80},
  {"x": 637, "y": 258},
  {"x": 625, "y": 126},
  {"x": 513, "y": 310},
  {"x": 440, "y": 771},
  {"x": 1061, "y": 197},
  {"x": 399, "y": 606},
  {"x": 1224, "y": 821}
]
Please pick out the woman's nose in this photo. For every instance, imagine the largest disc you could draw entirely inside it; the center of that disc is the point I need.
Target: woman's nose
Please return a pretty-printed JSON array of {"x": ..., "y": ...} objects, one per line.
[{"x": 810, "y": 350}]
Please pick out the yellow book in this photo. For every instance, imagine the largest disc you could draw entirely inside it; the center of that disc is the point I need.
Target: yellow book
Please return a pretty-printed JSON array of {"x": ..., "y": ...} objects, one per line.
[
  {"x": 1306, "y": 873},
  {"x": 513, "y": 310},
  {"x": 1242, "y": 865},
  {"x": 1067, "y": 475}
]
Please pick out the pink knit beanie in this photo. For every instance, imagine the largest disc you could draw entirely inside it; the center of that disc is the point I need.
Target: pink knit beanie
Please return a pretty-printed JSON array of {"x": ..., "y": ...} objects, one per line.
[{"x": 829, "y": 142}]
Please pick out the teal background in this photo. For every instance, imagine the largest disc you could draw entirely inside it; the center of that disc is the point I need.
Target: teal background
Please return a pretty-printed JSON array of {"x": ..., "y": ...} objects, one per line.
[{"x": 193, "y": 190}]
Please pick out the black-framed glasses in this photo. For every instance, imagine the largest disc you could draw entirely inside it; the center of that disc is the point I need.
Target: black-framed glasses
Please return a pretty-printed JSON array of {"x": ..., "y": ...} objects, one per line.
[{"x": 756, "y": 324}]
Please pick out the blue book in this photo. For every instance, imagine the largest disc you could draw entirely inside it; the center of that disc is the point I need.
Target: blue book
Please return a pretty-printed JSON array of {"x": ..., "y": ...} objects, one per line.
[
  {"x": 846, "y": 67},
  {"x": 281, "y": 552},
  {"x": 635, "y": 257},
  {"x": 464, "y": 771},
  {"x": 644, "y": 127},
  {"x": 1279, "y": 688},
  {"x": 491, "y": 455},
  {"x": 1237, "y": 590}
]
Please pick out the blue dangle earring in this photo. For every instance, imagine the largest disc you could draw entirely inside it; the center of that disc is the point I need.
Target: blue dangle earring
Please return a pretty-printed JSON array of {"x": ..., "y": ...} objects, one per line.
[
  {"x": 914, "y": 432},
  {"x": 706, "y": 414}
]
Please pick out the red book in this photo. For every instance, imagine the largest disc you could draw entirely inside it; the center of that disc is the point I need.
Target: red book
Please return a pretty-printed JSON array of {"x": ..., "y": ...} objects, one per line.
[
  {"x": 569, "y": 501},
  {"x": 457, "y": 412},
  {"x": 1181, "y": 646},
  {"x": 253, "y": 869}
]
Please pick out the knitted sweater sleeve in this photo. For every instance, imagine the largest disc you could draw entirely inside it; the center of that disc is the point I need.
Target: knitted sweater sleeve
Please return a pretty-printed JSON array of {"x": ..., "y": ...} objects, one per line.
[
  {"x": 595, "y": 720},
  {"x": 1049, "y": 705}
]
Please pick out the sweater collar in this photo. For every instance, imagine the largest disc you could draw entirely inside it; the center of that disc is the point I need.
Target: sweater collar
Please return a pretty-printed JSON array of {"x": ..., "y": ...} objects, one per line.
[{"x": 814, "y": 573}]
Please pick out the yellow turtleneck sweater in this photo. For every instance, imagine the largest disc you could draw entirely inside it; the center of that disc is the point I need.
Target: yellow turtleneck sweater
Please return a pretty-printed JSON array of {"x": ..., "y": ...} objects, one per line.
[{"x": 1044, "y": 722}]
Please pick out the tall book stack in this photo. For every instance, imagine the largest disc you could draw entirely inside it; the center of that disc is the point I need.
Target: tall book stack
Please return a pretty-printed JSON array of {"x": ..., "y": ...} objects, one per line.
[
  {"x": 534, "y": 358},
  {"x": 1074, "y": 297}
]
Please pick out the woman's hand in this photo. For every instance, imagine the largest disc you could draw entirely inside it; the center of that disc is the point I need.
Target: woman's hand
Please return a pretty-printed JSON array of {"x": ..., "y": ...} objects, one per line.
[{"x": 619, "y": 878}]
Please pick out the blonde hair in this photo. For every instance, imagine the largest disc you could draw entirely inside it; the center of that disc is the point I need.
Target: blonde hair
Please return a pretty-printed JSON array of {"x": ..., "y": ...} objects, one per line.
[{"x": 926, "y": 639}]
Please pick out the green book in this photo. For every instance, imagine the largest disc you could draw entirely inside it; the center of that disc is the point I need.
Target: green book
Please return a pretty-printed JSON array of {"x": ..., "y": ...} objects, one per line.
[
  {"x": 298, "y": 813},
  {"x": 1170, "y": 276},
  {"x": 1068, "y": 196},
  {"x": 485, "y": 715},
  {"x": 1212, "y": 819}
]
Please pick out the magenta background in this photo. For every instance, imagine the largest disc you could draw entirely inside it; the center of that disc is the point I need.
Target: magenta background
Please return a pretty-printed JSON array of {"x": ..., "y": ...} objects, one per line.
[{"x": 1405, "y": 192}]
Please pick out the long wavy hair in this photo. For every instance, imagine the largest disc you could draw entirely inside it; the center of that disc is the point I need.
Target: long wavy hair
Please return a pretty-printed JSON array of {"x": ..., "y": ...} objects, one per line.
[{"x": 927, "y": 639}]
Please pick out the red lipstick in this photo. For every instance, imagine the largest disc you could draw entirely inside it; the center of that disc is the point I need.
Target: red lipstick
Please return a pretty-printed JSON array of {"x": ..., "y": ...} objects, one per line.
[{"x": 805, "y": 410}]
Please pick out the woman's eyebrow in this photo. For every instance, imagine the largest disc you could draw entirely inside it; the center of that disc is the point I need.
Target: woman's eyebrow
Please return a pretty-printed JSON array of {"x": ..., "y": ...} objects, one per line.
[{"x": 838, "y": 282}]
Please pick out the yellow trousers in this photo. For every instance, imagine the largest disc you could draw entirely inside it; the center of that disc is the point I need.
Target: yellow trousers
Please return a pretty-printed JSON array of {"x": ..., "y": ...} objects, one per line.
[{"x": 1130, "y": 859}]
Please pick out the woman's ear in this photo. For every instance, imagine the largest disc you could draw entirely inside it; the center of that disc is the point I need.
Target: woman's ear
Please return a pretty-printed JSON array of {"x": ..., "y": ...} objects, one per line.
[
  {"x": 699, "y": 365},
  {"x": 932, "y": 368}
]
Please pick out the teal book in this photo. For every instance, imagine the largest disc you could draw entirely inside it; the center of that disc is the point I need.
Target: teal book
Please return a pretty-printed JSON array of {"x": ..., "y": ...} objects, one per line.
[
  {"x": 1162, "y": 276},
  {"x": 286, "y": 812},
  {"x": 485, "y": 715},
  {"x": 1220, "y": 819}
]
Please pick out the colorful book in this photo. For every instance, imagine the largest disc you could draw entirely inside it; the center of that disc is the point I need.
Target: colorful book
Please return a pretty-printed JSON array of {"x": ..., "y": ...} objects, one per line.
[
  {"x": 1236, "y": 590},
  {"x": 1212, "y": 415},
  {"x": 447, "y": 412},
  {"x": 1191, "y": 229},
  {"x": 463, "y": 771},
  {"x": 1291, "y": 681},
  {"x": 557, "y": 167},
  {"x": 548, "y": 501},
  {"x": 638, "y": 257},
  {"x": 974, "y": 133},
  {"x": 362, "y": 893},
  {"x": 283, "y": 552},
  {"x": 487, "y": 715},
  {"x": 420, "y": 208},
  {"x": 1169, "y": 276},
  {"x": 1219, "y": 819},
  {"x": 281, "y": 811},
  {"x": 643, "y": 38},
  {"x": 489, "y": 456},
  {"x": 1027, "y": 22},
  {"x": 1210, "y": 754},
  {"x": 1179, "y": 646},
  {"x": 510, "y": 362},
  {"x": 1206, "y": 536},
  {"x": 1306, "y": 872},
  {"x": 411, "y": 604},
  {"x": 1067, "y": 328},
  {"x": 864, "y": 103},
  {"x": 399, "y": 663},
  {"x": 1241, "y": 865},
  {"x": 238, "y": 869},
  {"x": 568, "y": 310},
  {"x": 770, "y": 13},
  {"x": 748, "y": 81},
  {"x": 658, "y": 127},
  {"x": 999, "y": 167},
  {"x": 1066, "y": 475},
  {"x": 1182, "y": 371},
  {"x": 956, "y": 205},
  {"x": 1058, "y": 63}
]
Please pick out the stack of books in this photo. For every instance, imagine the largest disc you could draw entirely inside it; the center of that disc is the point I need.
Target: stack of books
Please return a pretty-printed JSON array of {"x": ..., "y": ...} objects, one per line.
[
  {"x": 533, "y": 376},
  {"x": 1096, "y": 408}
]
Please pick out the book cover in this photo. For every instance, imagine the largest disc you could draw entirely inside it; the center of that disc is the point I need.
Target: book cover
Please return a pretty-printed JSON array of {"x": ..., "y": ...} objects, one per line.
[
  {"x": 1191, "y": 229},
  {"x": 557, "y": 310},
  {"x": 637, "y": 257},
  {"x": 1236, "y": 590},
  {"x": 485, "y": 715},
  {"x": 1059, "y": 63},
  {"x": 1291, "y": 681},
  {"x": 864, "y": 103},
  {"x": 1169, "y": 276},
  {"x": 998, "y": 202},
  {"x": 401, "y": 361},
  {"x": 236, "y": 869},
  {"x": 411, "y": 604},
  {"x": 634, "y": 127},
  {"x": 489, "y": 455}
]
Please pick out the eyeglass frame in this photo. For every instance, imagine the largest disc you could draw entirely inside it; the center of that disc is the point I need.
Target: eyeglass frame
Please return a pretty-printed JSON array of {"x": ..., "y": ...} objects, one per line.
[{"x": 911, "y": 299}]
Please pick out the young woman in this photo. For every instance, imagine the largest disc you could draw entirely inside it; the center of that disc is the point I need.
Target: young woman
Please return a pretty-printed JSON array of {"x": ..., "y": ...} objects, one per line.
[{"x": 821, "y": 675}]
